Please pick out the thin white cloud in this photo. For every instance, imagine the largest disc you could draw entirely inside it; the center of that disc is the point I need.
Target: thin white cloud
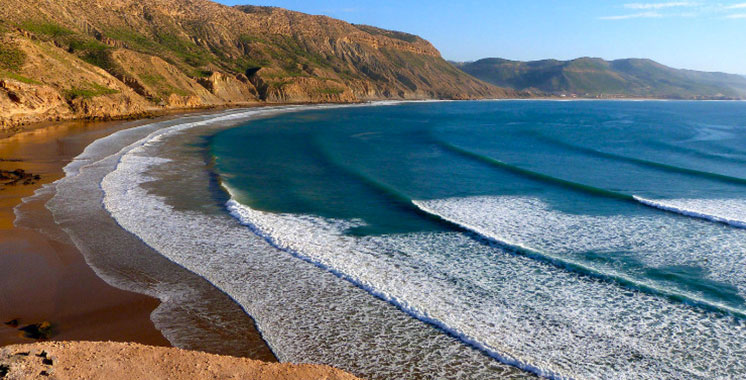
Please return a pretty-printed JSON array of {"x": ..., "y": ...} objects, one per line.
[
  {"x": 633, "y": 15},
  {"x": 670, "y": 4},
  {"x": 681, "y": 9}
]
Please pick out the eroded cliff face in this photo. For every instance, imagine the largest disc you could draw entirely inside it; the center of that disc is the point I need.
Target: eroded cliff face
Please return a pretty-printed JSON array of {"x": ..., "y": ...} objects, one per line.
[{"x": 115, "y": 58}]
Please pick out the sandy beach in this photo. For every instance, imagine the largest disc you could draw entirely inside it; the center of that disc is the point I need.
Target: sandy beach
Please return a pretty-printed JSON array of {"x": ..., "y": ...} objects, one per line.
[
  {"x": 59, "y": 318},
  {"x": 45, "y": 279}
]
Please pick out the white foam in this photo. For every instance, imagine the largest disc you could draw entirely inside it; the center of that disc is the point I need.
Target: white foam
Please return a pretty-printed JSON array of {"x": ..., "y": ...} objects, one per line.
[
  {"x": 519, "y": 310},
  {"x": 657, "y": 241},
  {"x": 305, "y": 314},
  {"x": 286, "y": 305},
  {"x": 728, "y": 211},
  {"x": 484, "y": 296}
]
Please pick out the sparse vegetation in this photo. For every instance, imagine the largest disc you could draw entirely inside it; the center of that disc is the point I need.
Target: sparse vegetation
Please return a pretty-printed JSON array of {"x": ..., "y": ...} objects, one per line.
[
  {"x": 45, "y": 28},
  {"x": 169, "y": 89},
  {"x": 199, "y": 73},
  {"x": 189, "y": 52},
  {"x": 20, "y": 78},
  {"x": 330, "y": 91},
  {"x": 244, "y": 64},
  {"x": 11, "y": 57},
  {"x": 160, "y": 84},
  {"x": 77, "y": 43},
  {"x": 90, "y": 90},
  {"x": 132, "y": 39},
  {"x": 132, "y": 44},
  {"x": 168, "y": 46},
  {"x": 249, "y": 39},
  {"x": 152, "y": 79},
  {"x": 93, "y": 52}
]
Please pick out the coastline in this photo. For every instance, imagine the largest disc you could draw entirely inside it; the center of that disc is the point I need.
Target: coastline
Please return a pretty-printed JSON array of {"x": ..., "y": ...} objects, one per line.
[
  {"x": 48, "y": 281},
  {"x": 44, "y": 278},
  {"x": 181, "y": 224},
  {"x": 14, "y": 129},
  {"x": 133, "y": 169},
  {"x": 177, "y": 227}
]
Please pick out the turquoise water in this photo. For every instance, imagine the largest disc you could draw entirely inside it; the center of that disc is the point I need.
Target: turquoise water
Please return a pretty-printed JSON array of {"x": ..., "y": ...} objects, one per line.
[{"x": 571, "y": 239}]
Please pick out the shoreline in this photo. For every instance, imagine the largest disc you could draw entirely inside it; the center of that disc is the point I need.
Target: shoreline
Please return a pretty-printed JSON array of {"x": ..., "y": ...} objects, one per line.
[
  {"x": 43, "y": 277},
  {"x": 269, "y": 277},
  {"x": 54, "y": 290},
  {"x": 160, "y": 113},
  {"x": 86, "y": 296},
  {"x": 94, "y": 134}
]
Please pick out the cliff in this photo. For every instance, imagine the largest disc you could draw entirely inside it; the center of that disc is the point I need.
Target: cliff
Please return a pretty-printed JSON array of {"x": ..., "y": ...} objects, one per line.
[
  {"x": 111, "y": 58},
  {"x": 595, "y": 77}
]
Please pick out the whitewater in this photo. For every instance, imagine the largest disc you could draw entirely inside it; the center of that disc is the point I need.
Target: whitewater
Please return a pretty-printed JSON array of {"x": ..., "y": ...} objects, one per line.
[{"x": 353, "y": 237}]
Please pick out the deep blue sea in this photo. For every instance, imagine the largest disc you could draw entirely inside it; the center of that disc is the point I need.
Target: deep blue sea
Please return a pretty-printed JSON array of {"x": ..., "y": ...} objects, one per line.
[{"x": 583, "y": 239}]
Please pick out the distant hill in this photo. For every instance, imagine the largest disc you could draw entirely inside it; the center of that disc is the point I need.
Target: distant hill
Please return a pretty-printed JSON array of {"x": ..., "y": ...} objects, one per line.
[
  {"x": 595, "y": 77},
  {"x": 62, "y": 59}
]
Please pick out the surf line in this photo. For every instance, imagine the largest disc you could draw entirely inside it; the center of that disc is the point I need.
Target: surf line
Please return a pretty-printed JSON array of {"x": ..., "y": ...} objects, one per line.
[
  {"x": 582, "y": 269},
  {"x": 242, "y": 214},
  {"x": 645, "y": 163},
  {"x": 658, "y": 205},
  {"x": 420, "y": 207},
  {"x": 661, "y": 204}
]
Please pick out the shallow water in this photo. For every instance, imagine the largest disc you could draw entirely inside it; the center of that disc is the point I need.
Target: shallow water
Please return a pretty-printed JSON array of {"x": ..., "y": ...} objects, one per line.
[{"x": 464, "y": 239}]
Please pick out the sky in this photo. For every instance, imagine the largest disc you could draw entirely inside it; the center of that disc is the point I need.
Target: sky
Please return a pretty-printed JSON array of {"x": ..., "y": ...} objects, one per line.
[{"x": 699, "y": 35}]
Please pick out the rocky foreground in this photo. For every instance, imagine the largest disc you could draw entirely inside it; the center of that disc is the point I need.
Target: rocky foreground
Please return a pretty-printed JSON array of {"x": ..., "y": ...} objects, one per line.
[
  {"x": 114, "y": 361},
  {"x": 68, "y": 59}
]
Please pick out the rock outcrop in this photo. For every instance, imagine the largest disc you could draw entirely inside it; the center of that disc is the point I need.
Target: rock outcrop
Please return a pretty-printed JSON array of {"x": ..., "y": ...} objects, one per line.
[{"x": 113, "y": 58}]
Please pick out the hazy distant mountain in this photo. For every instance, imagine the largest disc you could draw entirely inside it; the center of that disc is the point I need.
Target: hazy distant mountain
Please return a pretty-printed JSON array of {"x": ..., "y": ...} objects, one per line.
[{"x": 595, "y": 77}]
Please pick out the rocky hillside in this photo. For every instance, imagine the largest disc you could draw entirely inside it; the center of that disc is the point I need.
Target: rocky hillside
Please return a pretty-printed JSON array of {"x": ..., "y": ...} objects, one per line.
[
  {"x": 109, "y": 58},
  {"x": 594, "y": 77}
]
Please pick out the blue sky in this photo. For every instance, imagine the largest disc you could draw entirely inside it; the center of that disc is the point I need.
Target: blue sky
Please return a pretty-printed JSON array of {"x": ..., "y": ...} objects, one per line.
[{"x": 701, "y": 35}]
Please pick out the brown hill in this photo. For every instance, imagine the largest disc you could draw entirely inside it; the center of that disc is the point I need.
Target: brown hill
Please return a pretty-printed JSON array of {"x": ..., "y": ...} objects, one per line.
[{"x": 110, "y": 58}]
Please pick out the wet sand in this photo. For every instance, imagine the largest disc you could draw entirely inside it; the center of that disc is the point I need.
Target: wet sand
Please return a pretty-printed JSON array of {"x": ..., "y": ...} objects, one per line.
[{"x": 46, "y": 279}]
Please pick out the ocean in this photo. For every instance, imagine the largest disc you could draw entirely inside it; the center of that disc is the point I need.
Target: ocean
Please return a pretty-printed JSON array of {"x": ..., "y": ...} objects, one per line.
[{"x": 469, "y": 239}]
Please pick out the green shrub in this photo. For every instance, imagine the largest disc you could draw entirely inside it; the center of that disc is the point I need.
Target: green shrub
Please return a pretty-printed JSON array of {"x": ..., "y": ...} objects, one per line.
[
  {"x": 330, "y": 91},
  {"x": 133, "y": 40},
  {"x": 192, "y": 54},
  {"x": 152, "y": 79},
  {"x": 77, "y": 44},
  {"x": 20, "y": 78},
  {"x": 11, "y": 58},
  {"x": 100, "y": 58},
  {"x": 248, "y": 39},
  {"x": 45, "y": 28},
  {"x": 91, "y": 90}
]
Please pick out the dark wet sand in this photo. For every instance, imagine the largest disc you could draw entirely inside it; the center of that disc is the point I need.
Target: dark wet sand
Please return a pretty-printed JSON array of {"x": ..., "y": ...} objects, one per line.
[{"x": 42, "y": 279}]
